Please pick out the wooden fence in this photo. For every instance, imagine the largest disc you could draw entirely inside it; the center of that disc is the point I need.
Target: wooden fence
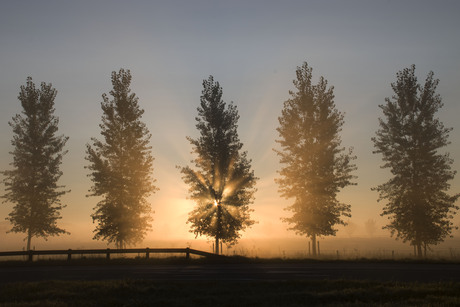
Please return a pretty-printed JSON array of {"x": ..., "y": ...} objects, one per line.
[{"x": 147, "y": 251}]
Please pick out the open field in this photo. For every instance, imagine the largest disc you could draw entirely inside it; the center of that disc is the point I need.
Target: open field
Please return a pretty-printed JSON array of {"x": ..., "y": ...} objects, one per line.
[
  {"x": 211, "y": 293},
  {"x": 229, "y": 269},
  {"x": 293, "y": 247},
  {"x": 232, "y": 281}
]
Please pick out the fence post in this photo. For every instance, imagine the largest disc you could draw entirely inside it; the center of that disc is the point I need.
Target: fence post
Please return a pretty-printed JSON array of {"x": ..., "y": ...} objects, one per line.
[
  {"x": 147, "y": 253},
  {"x": 69, "y": 255},
  {"x": 187, "y": 253},
  {"x": 107, "y": 256},
  {"x": 318, "y": 248}
]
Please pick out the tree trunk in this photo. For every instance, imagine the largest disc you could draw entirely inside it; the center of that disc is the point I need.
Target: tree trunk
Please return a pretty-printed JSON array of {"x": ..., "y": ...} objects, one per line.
[
  {"x": 313, "y": 245},
  {"x": 419, "y": 250},
  {"x": 219, "y": 226},
  {"x": 217, "y": 245},
  {"x": 29, "y": 238}
]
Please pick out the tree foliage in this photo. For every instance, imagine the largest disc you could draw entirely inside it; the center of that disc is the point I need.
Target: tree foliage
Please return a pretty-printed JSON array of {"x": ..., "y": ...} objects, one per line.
[
  {"x": 222, "y": 183},
  {"x": 418, "y": 206},
  {"x": 121, "y": 167},
  {"x": 32, "y": 184},
  {"x": 315, "y": 166}
]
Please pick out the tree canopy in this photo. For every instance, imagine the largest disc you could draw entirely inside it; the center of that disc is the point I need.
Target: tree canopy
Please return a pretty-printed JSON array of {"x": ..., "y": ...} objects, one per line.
[
  {"x": 314, "y": 165},
  {"x": 221, "y": 182},
  {"x": 121, "y": 167},
  {"x": 410, "y": 136},
  {"x": 32, "y": 184}
]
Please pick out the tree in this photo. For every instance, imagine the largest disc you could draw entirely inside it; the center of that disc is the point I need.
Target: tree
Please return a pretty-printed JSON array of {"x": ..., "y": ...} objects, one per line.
[
  {"x": 418, "y": 206},
  {"x": 315, "y": 166},
  {"x": 371, "y": 227},
  {"x": 32, "y": 185},
  {"x": 351, "y": 227},
  {"x": 222, "y": 183},
  {"x": 121, "y": 167}
]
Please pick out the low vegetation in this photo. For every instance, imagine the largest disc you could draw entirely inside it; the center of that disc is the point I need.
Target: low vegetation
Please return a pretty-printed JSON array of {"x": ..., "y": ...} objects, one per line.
[
  {"x": 211, "y": 293},
  {"x": 130, "y": 292},
  {"x": 99, "y": 261}
]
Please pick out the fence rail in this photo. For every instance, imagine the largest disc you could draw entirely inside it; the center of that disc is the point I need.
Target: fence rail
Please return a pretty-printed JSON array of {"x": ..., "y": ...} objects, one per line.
[{"x": 147, "y": 251}]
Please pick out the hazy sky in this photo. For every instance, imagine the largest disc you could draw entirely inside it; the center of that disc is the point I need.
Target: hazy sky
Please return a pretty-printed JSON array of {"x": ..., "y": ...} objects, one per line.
[{"x": 252, "y": 48}]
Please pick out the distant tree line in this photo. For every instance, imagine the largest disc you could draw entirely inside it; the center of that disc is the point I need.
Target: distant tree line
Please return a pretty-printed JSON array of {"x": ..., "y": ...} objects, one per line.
[{"x": 314, "y": 165}]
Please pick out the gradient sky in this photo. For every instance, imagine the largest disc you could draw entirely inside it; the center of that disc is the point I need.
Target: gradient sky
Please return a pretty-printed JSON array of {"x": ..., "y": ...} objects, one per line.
[{"x": 252, "y": 48}]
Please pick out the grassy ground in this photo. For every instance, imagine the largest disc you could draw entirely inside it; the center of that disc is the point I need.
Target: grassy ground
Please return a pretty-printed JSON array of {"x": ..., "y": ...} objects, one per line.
[
  {"x": 223, "y": 293},
  {"x": 289, "y": 293},
  {"x": 202, "y": 260}
]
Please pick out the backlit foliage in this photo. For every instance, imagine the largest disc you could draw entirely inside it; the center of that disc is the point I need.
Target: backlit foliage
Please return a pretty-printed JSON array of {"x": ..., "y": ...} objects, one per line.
[
  {"x": 418, "y": 207},
  {"x": 221, "y": 182},
  {"x": 121, "y": 167},
  {"x": 314, "y": 165},
  {"x": 32, "y": 184}
]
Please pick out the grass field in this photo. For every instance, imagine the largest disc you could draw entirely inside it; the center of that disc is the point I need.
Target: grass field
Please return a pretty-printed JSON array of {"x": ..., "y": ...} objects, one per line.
[
  {"x": 221, "y": 293},
  {"x": 289, "y": 293},
  {"x": 204, "y": 260}
]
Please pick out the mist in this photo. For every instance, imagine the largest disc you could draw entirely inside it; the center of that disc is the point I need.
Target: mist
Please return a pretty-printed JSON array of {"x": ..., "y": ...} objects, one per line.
[{"x": 253, "y": 50}]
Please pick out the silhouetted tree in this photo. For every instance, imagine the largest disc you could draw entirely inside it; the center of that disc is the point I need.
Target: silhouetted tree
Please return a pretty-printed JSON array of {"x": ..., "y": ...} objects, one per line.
[
  {"x": 121, "y": 167},
  {"x": 418, "y": 207},
  {"x": 371, "y": 227},
  {"x": 350, "y": 228},
  {"x": 37, "y": 155},
  {"x": 315, "y": 166},
  {"x": 222, "y": 183}
]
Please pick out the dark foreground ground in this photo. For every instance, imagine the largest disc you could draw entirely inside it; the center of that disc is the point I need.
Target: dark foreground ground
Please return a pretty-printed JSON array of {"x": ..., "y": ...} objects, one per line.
[
  {"x": 229, "y": 293},
  {"x": 199, "y": 271},
  {"x": 358, "y": 283}
]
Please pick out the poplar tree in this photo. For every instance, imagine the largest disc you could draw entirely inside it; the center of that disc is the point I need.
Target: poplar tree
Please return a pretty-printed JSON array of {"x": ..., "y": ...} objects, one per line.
[
  {"x": 32, "y": 184},
  {"x": 121, "y": 167},
  {"x": 314, "y": 165},
  {"x": 410, "y": 136},
  {"x": 221, "y": 182}
]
